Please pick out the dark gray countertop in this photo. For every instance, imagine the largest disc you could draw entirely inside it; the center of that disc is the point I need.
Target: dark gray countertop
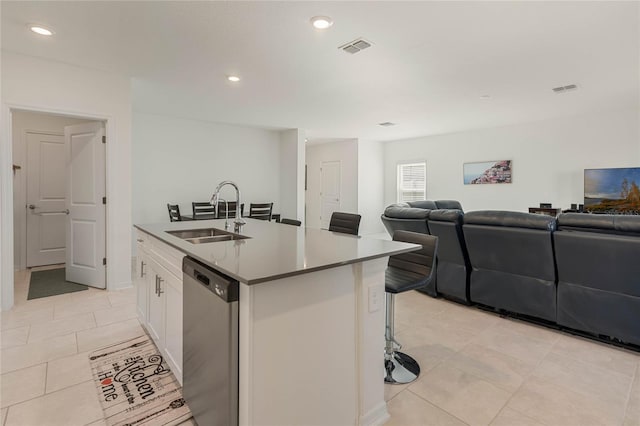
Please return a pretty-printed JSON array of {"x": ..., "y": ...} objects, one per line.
[{"x": 275, "y": 250}]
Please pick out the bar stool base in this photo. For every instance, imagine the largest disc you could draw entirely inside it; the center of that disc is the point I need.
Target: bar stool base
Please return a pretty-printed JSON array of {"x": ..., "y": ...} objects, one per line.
[{"x": 400, "y": 369}]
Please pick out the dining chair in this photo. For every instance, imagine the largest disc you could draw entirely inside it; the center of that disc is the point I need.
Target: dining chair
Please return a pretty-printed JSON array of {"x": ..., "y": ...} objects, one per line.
[
  {"x": 222, "y": 209},
  {"x": 174, "y": 213},
  {"x": 260, "y": 211},
  {"x": 291, "y": 222},
  {"x": 201, "y": 208},
  {"x": 347, "y": 223}
]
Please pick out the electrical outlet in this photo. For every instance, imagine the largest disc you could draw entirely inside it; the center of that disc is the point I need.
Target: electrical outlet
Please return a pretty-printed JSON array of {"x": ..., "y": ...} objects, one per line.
[{"x": 375, "y": 298}]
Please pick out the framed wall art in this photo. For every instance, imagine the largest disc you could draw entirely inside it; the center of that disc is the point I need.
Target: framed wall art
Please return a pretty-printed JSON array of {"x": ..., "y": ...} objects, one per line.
[{"x": 487, "y": 172}]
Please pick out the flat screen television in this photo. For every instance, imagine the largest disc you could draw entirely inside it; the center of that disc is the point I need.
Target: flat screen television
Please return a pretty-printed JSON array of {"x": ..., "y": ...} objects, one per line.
[{"x": 612, "y": 191}]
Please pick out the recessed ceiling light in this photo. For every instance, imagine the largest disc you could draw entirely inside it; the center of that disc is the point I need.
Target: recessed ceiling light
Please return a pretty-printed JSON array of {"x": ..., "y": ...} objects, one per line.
[
  {"x": 233, "y": 78},
  {"x": 40, "y": 30},
  {"x": 321, "y": 22},
  {"x": 485, "y": 97}
]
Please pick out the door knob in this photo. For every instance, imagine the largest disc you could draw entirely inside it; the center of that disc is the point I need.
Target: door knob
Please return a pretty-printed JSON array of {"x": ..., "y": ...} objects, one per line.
[{"x": 32, "y": 206}]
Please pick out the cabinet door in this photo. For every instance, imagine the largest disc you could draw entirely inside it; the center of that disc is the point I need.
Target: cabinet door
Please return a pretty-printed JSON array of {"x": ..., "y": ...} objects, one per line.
[
  {"x": 142, "y": 285},
  {"x": 173, "y": 341},
  {"x": 156, "y": 305}
]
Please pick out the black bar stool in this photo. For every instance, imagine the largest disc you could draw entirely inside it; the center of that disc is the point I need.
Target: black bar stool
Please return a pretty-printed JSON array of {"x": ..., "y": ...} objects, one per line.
[
  {"x": 347, "y": 223},
  {"x": 408, "y": 271}
]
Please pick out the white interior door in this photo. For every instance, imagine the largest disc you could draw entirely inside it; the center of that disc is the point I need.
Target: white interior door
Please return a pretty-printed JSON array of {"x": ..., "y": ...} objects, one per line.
[
  {"x": 86, "y": 187},
  {"x": 330, "y": 191},
  {"x": 46, "y": 201}
]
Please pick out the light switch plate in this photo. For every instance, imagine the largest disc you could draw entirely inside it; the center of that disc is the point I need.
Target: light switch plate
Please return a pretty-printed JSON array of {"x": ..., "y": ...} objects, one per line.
[{"x": 375, "y": 298}]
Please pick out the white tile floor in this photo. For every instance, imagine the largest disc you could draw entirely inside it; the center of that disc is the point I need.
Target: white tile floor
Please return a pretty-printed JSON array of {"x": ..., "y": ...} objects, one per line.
[{"x": 477, "y": 368}]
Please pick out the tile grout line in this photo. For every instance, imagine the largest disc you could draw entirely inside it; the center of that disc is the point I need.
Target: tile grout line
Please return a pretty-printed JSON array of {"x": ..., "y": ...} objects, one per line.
[
  {"x": 524, "y": 380},
  {"x": 23, "y": 368},
  {"x": 35, "y": 397},
  {"x": 435, "y": 405},
  {"x": 636, "y": 376},
  {"x": 46, "y": 375},
  {"x": 595, "y": 366},
  {"x": 28, "y": 334},
  {"x": 598, "y": 344},
  {"x": 47, "y": 394}
]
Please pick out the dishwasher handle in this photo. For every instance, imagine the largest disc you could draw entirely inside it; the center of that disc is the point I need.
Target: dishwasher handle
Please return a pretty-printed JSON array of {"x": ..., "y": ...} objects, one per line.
[{"x": 224, "y": 287}]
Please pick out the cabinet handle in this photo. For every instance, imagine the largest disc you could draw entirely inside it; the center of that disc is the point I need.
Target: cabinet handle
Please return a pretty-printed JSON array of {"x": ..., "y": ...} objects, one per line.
[
  {"x": 140, "y": 240},
  {"x": 142, "y": 265},
  {"x": 160, "y": 280},
  {"x": 157, "y": 284}
]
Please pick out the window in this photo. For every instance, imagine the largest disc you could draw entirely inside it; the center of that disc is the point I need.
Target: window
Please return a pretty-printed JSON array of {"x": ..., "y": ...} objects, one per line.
[{"x": 412, "y": 182}]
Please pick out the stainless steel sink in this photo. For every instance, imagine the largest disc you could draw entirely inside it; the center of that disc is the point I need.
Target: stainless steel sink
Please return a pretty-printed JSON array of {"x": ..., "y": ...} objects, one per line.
[{"x": 208, "y": 235}]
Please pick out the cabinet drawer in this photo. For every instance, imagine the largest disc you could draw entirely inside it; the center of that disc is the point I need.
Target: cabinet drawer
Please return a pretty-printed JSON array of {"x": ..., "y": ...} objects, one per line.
[
  {"x": 167, "y": 256},
  {"x": 143, "y": 240}
]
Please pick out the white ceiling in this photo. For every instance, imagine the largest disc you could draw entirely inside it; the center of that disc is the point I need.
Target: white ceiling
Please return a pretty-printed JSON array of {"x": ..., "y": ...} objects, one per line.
[{"x": 429, "y": 64}]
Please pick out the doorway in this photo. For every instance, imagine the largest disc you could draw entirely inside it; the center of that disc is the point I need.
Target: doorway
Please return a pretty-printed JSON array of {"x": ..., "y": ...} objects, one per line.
[
  {"x": 59, "y": 185},
  {"x": 329, "y": 192}
]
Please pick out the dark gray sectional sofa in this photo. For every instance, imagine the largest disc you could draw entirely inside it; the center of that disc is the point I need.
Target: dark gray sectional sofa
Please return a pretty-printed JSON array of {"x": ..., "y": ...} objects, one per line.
[
  {"x": 598, "y": 259},
  {"x": 579, "y": 271}
]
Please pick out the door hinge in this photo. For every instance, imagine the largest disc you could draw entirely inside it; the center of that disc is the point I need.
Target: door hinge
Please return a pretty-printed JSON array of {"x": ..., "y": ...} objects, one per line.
[
  {"x": 104, "y": 200},
  {"x": 104, "y": 260},
  {"x": 104, "y": 139}
]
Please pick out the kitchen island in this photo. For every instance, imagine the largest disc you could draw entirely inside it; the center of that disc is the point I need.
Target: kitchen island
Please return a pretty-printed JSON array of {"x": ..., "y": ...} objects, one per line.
[{"x": 311, "y": 316}]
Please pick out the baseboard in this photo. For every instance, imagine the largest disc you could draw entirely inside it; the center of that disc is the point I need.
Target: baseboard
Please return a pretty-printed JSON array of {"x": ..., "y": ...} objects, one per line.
[{"x": 375, "y": 417}]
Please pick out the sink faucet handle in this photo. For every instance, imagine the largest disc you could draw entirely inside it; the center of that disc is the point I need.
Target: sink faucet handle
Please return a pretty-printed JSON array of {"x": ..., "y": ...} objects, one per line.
[{"x": 239, "y": 222}]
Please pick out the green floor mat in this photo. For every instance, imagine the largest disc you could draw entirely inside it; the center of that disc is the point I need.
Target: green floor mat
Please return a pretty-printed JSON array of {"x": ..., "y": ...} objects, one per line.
[{"x": 50, "y": 283}]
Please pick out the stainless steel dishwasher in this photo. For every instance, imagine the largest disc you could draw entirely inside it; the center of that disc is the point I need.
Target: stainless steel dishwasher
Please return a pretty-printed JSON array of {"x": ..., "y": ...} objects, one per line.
[{"x": 210, "y": 345}]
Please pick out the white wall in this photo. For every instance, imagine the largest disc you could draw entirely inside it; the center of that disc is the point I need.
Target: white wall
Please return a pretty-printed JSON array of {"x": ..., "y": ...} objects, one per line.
[
  {"x": 178, "y": 161},
  {"x": 370, "y": 186},
  {"x": 22, "y": 122},
  {"x": 549, "y": 158},
  {"x": 347, "y": 153},
  {"x": 292, "y": 157},
  {"x": 31, "y": 83}
]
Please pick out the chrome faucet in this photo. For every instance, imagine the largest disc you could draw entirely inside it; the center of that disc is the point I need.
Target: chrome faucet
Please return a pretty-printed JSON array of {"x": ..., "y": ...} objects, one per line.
[
  {"x": 216, "y": 197},
  {"x": 226, "y": 211}
]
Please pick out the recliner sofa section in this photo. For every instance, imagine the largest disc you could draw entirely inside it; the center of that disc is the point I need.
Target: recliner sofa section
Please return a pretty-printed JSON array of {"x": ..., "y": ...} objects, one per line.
[
  {"x": 409, "y": 216},
  {"x": 512, "y": 262},
  {"x": 403, "y": 217},
  {"x": 453, "y": 266},
  {"x": 413, "y": 216},
  {"x": 598, "y": 260}
]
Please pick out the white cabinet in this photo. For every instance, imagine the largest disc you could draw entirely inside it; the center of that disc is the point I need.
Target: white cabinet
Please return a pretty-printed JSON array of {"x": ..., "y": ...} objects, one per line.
[
  {"x": 141, "y": 280},
  {"x": 156, "y": 306},
  {"x": 159, "y": 297},
  {"x": 172, "y": 288}
]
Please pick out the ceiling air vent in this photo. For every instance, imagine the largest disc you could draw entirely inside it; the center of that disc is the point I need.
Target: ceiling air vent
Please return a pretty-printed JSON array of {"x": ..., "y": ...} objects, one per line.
[
  {"x": 387, "y": 124},
  {"x": 355, "y": 46},
  {"x": 563, "y": 89}
]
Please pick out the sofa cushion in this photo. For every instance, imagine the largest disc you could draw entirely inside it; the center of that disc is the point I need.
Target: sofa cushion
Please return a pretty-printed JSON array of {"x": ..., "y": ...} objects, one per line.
[
  {"x": 602, "y": 223},
  {"x": 398, "y": 212},
  {"x": 446, "y": 215},
  {"x": 424, "y": 204},
  {"x": 448, "y": 204},
  {"x": 510, "y": 219}
]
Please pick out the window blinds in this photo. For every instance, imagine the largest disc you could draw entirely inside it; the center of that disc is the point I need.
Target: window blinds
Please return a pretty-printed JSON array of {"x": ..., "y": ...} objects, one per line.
[{"x": 412, "y": 182}]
